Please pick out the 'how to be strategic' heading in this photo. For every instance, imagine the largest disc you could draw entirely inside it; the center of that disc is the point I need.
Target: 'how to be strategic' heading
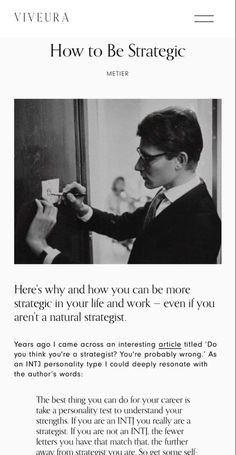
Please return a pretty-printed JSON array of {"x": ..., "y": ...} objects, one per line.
[{"x": 111, "y": 50}]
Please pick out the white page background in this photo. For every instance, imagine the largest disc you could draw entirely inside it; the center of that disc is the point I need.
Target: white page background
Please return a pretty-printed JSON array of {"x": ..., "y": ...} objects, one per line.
[{"x": 206, "y": 72}]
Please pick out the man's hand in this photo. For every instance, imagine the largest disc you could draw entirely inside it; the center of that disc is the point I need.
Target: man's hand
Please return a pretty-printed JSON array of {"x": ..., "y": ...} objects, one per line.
[
  {"x": 74, "y": 193},
  {"x": 41, "y": 226}
]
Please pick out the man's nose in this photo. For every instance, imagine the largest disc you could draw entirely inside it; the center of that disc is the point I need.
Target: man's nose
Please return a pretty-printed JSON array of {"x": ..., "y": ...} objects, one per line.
[{"x": 139, "y": 165}]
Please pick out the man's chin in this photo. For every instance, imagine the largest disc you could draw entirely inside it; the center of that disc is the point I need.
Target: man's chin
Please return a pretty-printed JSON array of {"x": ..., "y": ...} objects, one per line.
[{"x": 148, "y": 185}]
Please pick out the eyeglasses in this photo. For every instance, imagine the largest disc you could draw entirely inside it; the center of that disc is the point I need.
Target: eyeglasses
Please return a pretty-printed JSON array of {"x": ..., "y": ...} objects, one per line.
[{"x": 147, "y": 159}]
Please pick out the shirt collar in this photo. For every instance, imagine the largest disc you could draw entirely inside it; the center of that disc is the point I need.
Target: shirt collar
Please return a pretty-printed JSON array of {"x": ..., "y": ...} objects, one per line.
[{"x": 177, "y": 191}]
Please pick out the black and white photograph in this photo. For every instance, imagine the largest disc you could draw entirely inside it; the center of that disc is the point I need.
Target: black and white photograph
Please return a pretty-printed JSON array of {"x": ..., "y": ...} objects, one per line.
[{"x": 117, "y": 181}]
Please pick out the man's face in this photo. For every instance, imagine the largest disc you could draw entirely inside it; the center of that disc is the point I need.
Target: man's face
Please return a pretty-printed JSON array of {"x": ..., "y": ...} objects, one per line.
[{"x": 154, "y": 167}]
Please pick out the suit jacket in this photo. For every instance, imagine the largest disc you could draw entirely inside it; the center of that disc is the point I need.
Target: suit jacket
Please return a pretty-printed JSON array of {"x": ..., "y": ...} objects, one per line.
[{"x": 186, "y": 232}]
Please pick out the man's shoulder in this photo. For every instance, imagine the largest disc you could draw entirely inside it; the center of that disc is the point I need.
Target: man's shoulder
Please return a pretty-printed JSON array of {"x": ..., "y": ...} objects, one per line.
[
  {"x": 198, "y": 196},
  {"x": 204, "y": 212},
  {"x": 204, "y": 199},
  {"x": 197, "y": 208}
]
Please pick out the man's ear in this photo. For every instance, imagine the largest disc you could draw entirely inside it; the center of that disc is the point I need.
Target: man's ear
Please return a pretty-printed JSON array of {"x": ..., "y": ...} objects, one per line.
[{"x": 181, "y": 160}]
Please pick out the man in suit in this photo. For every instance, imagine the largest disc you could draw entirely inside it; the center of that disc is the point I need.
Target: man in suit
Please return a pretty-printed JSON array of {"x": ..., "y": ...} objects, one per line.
[{"x": 179, "y": 226}]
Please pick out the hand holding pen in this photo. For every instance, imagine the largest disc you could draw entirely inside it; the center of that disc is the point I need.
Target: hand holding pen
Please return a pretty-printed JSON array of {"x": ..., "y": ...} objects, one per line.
[{"x": 74, "y": 193}]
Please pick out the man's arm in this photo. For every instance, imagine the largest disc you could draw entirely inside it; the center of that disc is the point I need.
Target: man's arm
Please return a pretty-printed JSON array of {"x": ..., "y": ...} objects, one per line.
[{"x": 119, "y": 227}]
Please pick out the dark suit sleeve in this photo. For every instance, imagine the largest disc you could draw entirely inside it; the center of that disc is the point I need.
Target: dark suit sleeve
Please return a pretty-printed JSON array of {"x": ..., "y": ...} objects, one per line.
[
  {"x": 118, "y": 227},
  {"x": 62, "y": 259}
]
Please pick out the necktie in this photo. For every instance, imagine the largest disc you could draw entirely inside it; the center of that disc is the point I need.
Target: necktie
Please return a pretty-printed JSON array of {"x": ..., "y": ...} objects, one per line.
[{"x": 151, "y": 213}]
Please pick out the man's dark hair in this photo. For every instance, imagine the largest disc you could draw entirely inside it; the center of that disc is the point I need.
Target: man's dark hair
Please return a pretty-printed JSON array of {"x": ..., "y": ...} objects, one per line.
[{"x": 173, "y": 130}]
